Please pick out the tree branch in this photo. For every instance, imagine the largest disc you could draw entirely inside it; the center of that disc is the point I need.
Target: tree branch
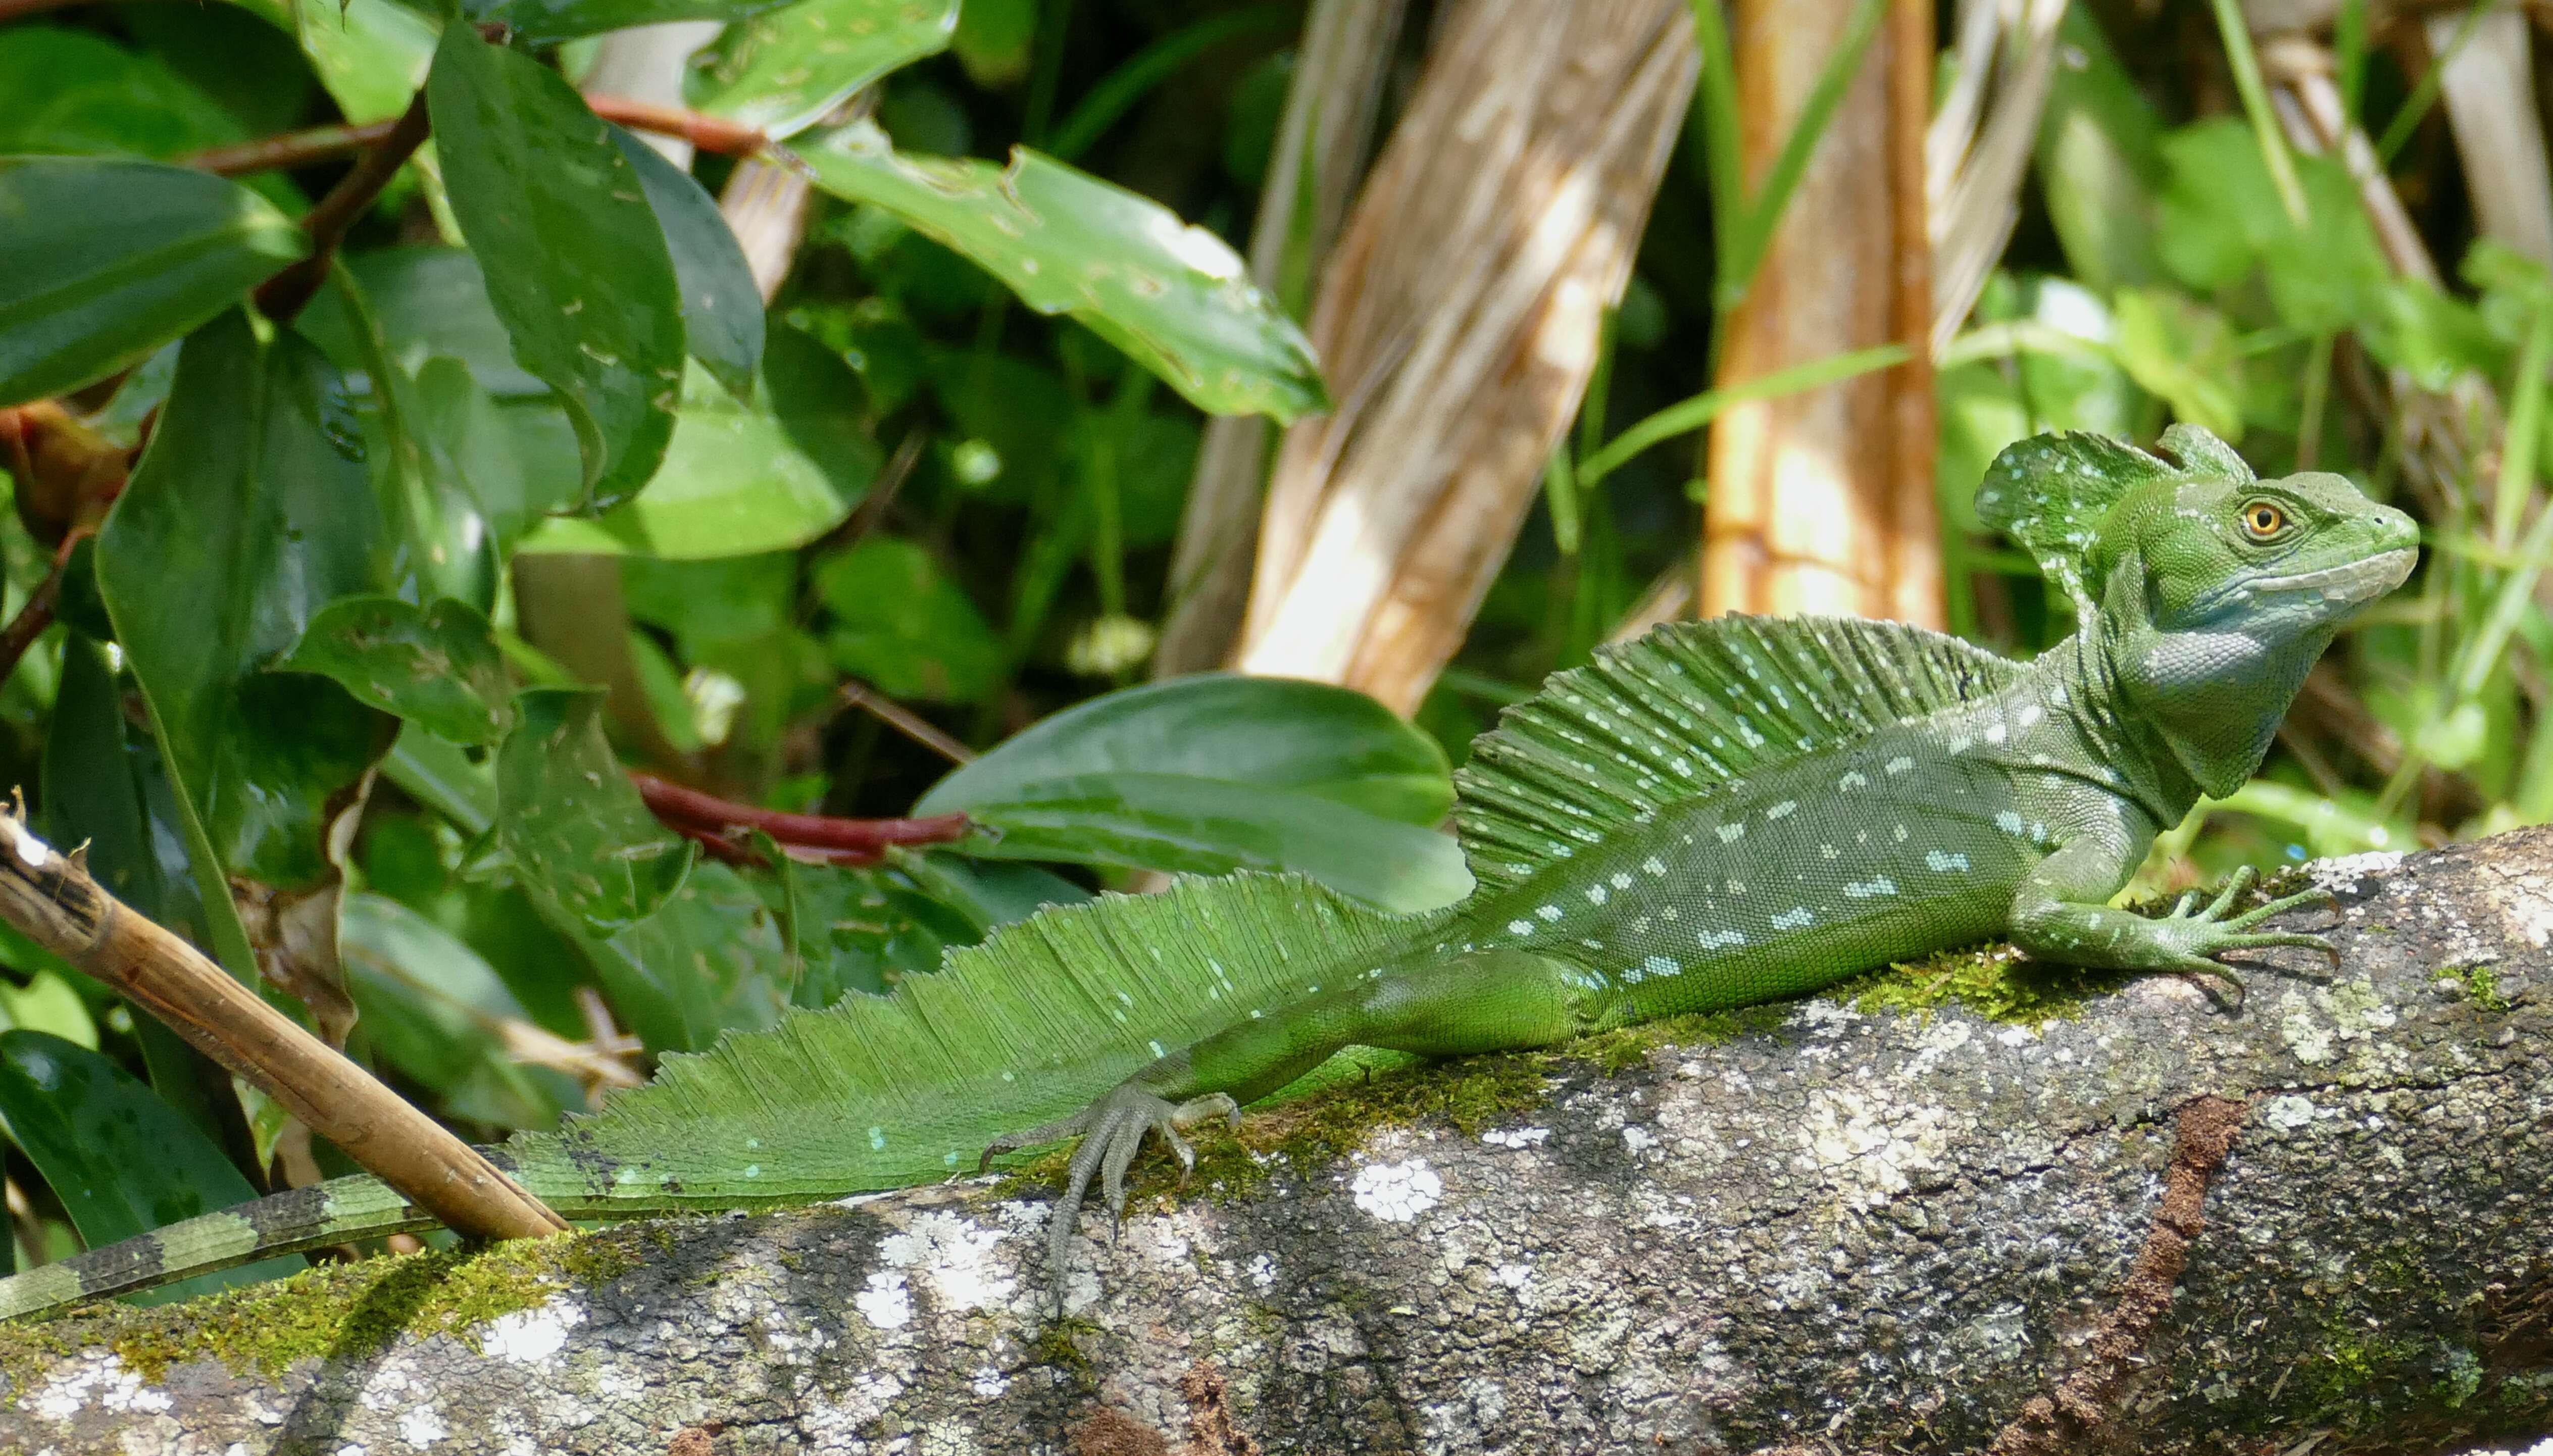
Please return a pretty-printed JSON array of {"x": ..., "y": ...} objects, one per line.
[
  {"x": 52, "y": 899},
  {"x": 326, "y": 143},
  {"x": 283, "y": 295},
  {"x": 1820, "y": 1227}
]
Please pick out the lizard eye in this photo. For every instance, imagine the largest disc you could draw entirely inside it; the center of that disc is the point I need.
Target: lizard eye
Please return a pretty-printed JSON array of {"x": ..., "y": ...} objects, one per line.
[{"x": 2263, "y": 521}]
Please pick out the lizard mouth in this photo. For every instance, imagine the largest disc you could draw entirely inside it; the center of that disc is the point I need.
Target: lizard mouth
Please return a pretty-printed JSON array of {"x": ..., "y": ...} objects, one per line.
[
  {"x": 2362, "y": 580},
  {"x": 2346, "y": 584}
]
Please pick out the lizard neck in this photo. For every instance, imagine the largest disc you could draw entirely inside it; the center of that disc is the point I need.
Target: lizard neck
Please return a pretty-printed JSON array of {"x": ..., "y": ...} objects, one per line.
[
  {"x": 2094, "y": 731},
  {"x": 2199, "y": 707}
]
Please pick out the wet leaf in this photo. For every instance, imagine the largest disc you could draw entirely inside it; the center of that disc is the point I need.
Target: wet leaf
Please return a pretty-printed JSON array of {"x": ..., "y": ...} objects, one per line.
[
  {"x": 573, "y": 823},
  {"x": 77, "y": 91},
  {"x": 1174, "y": 297},
  {"x": 103, "y": 261},
  {"x": 576, "y": 264},
  {"x": 536, "y": 20},
  {"x": 251, "y": 510},
  {"x": 371, "y": 55},
  {"x": 782, "y": 72},
  {"x": 122, "y": 1162},
  {"x": 1217, "y": 772},
  {"x": 722, "y": 304},
  {"x": 436, "y": 667}
]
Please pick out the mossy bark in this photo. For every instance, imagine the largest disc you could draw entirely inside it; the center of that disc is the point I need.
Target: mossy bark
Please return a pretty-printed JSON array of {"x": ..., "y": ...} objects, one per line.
[{"x": 1850, "y": 1229}]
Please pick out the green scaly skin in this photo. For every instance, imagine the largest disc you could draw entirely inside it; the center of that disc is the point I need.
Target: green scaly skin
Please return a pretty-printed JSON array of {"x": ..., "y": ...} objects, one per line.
[{"x": 2014, "y": 812}]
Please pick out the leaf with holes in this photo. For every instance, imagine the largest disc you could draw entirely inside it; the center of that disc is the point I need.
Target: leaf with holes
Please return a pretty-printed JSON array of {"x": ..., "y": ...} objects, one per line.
[
  {"x": 574, "y": 824},
  {"x": 782, "y": 72},
  {"x": 436, "y": 667}
]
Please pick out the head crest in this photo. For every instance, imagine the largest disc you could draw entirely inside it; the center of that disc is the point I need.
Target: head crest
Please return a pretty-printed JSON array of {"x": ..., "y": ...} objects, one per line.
[{"x": 2050, "y": 491}]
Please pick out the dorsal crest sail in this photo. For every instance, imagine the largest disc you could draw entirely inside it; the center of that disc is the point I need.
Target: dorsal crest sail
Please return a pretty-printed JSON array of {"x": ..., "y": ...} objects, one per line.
[
  {"x": 2050, "y": 491},
  {"x": 1686, "y": 707}
]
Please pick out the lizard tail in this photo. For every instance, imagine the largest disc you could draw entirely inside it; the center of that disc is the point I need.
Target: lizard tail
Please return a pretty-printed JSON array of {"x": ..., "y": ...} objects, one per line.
[{"x": 303, "y": 1218}]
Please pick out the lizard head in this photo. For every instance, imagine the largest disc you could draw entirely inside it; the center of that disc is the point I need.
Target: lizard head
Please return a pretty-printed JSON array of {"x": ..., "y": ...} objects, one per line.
[
  {"x": 2218, "y": 594},
  {"x": 2209, "y": 592}
]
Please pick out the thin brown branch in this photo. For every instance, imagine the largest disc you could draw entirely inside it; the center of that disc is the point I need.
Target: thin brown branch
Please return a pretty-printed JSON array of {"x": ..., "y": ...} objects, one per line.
[
  {"x": 327, "y": 144},
  {"x": 904, "y": 720},
  {"x": 38, "y": 612},
  {"x": 725, "y": 826},
  {"x": 283, "y": 295},
  {"x": 52, "y": 899},
  {"x": 2086, "y": 1399}
]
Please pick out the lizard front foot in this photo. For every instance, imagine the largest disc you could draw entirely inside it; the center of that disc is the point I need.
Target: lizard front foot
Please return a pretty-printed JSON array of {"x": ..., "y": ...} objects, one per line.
[
  {"x": 2200, "y": 937},
  {"x": 1112, "y": 1129}
]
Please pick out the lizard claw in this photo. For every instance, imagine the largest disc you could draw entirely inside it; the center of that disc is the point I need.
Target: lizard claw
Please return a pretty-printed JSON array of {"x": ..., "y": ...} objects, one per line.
[
  {"x": 2206, "y": 934},
  {"x": 1112, "y": 1132}
]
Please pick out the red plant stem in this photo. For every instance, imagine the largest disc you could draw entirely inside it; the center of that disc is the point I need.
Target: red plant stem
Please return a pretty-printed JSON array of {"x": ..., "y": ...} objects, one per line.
[
  {"x": 37, "y": 615},
  {"x": 283, "y": 295},
  {"x": 693, "y": 813},
  {"x": 326, "y": 143}
]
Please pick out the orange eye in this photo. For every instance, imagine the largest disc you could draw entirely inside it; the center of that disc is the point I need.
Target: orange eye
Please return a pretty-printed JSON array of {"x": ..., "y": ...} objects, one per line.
[{"x": 2261, "y": 521}]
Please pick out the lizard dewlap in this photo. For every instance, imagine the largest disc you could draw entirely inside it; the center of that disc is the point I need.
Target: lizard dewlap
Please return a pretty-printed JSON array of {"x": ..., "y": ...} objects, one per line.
[{"x": 1723, "y": 812}]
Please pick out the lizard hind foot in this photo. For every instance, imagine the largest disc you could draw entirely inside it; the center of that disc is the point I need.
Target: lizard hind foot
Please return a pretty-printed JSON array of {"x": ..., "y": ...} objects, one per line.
[{"x": 1112, "y": 1131}]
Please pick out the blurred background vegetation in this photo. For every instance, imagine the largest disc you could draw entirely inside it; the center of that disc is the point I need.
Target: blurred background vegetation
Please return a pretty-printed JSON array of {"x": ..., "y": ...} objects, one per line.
[{"x": 2320, "y": 230}]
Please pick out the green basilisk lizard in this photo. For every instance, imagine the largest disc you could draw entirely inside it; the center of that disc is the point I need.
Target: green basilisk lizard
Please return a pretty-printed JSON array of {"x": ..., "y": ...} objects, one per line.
[{"x": 1723, "y": 812}]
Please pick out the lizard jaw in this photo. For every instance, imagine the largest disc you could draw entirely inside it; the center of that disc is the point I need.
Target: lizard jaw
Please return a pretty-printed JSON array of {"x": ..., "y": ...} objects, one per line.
[{"x": 2349, "y": 582}]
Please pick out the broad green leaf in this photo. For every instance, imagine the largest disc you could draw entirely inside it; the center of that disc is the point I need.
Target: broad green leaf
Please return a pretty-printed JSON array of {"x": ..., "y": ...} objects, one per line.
[
  {"x": 2183, "y": 352},
  {"x": 436, "y": 667},
  {"x": 101, "y": 261},
  {"x": 575, "y": 262},
  {"x": 50, "y": 1004},
  {"x": 710, "y": 959},
  {"x": 572, "y": 821},
  {"x": 122, "y": 1162},
  {"x": 1214, "y": 774},
  {"x": 782, "y": 72},
  {"x": 1178, "y": 824},
  {"x": 1307, "y": 738},
  {"x": 722, "y": 304},
  {"x": 470, "y": 447},
  {"x": 538, "y": 20},
  {"x": 993, "y": 41},
  {"x": 77, "y": 91},
  {"x": 859, "y": 929},
  {"x": 1174, "y": 297},
  {"x": 371, "y": 55},
  {"x": 437, "y": 1011},
  {"x": 734, "y": 482},
  {"x": 902, "y": 625},
  {"x": 250, "y": 512},
  {"x": 426, "y": 301}
]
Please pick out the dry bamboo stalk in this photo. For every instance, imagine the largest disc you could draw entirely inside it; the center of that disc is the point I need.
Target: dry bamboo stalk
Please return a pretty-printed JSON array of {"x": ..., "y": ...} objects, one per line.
[
  {"x": 1458, "y": 319},
  {"x": 1319, "y": 158},
  {"x": 52, "y": 899},
  {"x": 765, "y": 206},
  {"x": 2308, "y": 103},
  {"x": 1814, "y": 504},
  {"x": 1978, "y": 200},
  {"x": 2488, "y": 85}
]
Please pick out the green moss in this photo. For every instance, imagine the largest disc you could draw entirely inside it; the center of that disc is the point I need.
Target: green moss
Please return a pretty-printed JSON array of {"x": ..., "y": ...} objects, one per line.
[
  {"x": 334, "y": 1311},
  {"x": 2482, "y": 987},
  {"x": 1056, "y": 1348},
  {"x": 1995, "y": 981}
]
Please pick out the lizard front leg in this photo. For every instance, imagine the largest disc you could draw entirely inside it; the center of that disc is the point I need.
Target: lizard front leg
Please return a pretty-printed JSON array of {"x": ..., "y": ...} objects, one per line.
[
  {"x": 1486, "y": 1001},
  {"x": 2059, "y": 914}
]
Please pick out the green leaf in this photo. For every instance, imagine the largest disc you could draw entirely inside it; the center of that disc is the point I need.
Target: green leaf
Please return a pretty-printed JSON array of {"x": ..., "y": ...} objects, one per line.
[
  {"x": 1174, "y": 297},
  {"x": 122, "y": 1162},
  {"x": 250, "y": 512},
  {"x": 426, "y": 301},
  {"x": 436, "y": 667},
  {"x": 572, "y": 821},
  {"x": 734, "y": 482},
  {"x": 1218, "y": 772},
  {"x": 371, "y": 55},
  {"x": 77, "y": 91},
  {"x": 575, "y": 262},
  {"x": 722, "y": 304},
  {"x": 536, "y": 20},
  {"x": 710, "y": 960},
  {"x": 903, "y": 626},
  {"x": 101, "y": 261},
  {"x": 438, "y": 1012},
  {"x": 782, "y": 72},
  {"x": 2184, "y": 353}
]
